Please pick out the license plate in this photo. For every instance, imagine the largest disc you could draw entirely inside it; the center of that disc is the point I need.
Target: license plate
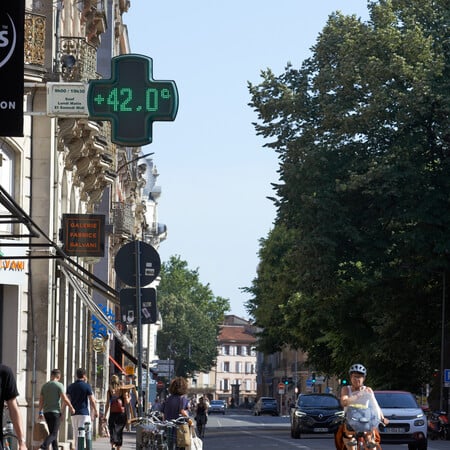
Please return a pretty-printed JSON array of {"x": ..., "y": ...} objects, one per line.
[
  {"x": 394, "y": 430},
  {"x": 320, "y": 430}
]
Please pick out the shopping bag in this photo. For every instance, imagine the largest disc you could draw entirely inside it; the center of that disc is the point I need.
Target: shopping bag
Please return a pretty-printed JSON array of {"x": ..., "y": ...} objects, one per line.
[
  {"x": 196, "y": 442},
  {"x": 40, "y": 432},
  {"x": 183, "y": 435}
]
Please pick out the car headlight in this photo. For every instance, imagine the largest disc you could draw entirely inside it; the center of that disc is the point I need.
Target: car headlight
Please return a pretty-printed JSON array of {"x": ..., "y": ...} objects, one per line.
[
  {"x": 340, "y": 414},
  {"x": 300, "y": 414},
  {"x": 419, "y": 423}
]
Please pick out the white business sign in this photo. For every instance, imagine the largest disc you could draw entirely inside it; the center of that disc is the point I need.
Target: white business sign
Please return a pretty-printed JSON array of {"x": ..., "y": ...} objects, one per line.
[
  {"x": 67, "y": 99},
  {"x": 12, "y": 270}
]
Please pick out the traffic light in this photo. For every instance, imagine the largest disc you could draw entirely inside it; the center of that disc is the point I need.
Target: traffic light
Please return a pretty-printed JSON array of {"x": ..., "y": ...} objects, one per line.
[
  {"x": 344, "y": 382},
  {"x": 313, "y": 378},
  {"x": 285, "y": 381}
]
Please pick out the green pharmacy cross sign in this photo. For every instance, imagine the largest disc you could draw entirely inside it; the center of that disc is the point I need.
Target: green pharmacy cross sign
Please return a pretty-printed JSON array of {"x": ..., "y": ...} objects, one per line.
[{"x": 132, "y": 100}]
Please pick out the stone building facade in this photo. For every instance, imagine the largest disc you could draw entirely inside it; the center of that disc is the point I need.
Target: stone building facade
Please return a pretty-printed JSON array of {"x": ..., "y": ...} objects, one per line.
[{"x": 59, "y": 310}]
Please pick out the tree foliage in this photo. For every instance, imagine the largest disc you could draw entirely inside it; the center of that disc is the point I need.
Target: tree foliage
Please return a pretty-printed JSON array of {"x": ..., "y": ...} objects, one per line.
[
  {"x": 353, "y": 268},
  {"x": 191, "y": 317}
]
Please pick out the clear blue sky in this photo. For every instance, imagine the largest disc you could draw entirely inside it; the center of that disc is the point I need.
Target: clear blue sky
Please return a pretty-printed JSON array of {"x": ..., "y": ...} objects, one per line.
[{"x": 215, "y": 174}]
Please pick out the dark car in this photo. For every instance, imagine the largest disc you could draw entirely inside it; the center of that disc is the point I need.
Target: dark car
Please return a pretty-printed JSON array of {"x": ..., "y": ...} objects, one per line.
[
  {"x": 407, "y": 421},
  {"x": 266, "y": 405},
  {"x": 316, "y": 413},
  {"x": 218, "y": 406}
]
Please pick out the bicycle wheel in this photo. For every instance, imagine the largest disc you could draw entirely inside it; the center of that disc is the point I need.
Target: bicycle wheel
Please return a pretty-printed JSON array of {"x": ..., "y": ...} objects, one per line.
[{"x": 10, "y": 442}]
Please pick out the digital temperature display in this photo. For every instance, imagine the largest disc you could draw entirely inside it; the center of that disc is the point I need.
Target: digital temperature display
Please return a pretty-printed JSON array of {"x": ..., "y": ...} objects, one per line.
[{"x": 132, "y": 100}]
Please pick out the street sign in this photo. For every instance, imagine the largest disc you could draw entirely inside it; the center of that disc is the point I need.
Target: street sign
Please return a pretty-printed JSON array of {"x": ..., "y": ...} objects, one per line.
[
  {"x": 132, "y": 100},
  {"x": 128, "y": 305},
  {"x": 164, "y": 367},
  {"x": 149, "y": 263},
  {"x": 67, "y": 99},
  {"x": 447, "y": 376},
  {"x": 281, "y": 388}
]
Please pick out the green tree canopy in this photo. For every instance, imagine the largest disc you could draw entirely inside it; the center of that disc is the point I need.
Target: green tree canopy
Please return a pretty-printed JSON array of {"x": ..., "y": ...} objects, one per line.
[
  {"x": 353, "y": 269},
  {"x": 191, "y": 316}
]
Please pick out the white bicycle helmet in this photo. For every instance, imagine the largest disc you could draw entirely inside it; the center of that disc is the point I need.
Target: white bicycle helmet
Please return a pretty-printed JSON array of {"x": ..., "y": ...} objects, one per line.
[{"x": 359, "y": 368}]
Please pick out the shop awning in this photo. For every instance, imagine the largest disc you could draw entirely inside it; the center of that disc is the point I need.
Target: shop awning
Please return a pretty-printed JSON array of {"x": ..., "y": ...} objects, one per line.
[
  {"x": 134, "y": 360},
  {"x": 93, "y": 307},
  {"x": 75, "y": 273},
  {"x": 117, "y": 364}
]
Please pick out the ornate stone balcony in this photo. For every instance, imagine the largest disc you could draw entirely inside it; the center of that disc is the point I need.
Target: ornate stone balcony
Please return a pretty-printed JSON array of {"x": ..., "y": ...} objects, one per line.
[
  {"x": 94, "y": 17},
  {"x": 89, "y": 155}
]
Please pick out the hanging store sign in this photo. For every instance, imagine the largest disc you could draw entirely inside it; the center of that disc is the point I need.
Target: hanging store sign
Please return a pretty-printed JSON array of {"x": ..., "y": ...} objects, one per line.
[
  {"x": 84, "y": 234},
  {"x": 12, "y": 15}
]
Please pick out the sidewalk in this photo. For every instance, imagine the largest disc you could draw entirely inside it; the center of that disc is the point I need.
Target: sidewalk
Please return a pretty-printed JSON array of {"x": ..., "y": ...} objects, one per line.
[{"x": 129, "y": 442}]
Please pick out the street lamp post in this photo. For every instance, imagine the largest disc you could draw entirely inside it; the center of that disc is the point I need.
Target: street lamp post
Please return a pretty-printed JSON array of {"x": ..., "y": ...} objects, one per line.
[{"x": 441, "y": 389}]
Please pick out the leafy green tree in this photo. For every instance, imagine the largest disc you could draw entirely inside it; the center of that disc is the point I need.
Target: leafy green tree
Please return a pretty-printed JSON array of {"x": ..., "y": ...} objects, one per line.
[
  {"x": 191, "y": 317},
  {"x": 361, "y": 130}
]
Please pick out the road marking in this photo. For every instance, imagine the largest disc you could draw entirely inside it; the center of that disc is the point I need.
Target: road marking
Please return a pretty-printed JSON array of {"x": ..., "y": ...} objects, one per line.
[{"x": 282, "y": 441}]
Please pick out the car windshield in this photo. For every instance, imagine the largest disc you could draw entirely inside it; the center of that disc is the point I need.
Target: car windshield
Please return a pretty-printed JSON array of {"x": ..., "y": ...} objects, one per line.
[
  {"x": 318, "y": 401},
  {"x": 216, "y": 402},
  {"x": 395, "y": 400},
  {"x": 268, "y": 400}
]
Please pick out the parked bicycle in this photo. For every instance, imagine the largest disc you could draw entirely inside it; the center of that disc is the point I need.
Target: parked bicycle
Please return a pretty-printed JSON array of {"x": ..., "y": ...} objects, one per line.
[
  {"x": 154, "y": 433},
  {"x": 9, "y": 438}
]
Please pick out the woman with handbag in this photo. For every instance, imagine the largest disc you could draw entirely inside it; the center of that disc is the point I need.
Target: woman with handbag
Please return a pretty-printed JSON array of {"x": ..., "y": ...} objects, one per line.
[
  {"x": 176, "y": 405},
  {"x": 116, "y": 401}
]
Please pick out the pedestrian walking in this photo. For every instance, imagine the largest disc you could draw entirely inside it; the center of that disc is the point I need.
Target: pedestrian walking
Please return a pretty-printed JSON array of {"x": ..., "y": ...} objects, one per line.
[
  {"x": 116, "y": 401},
  {"x": 81, "y": 396},
  {"x": 9, "y": 394},
  {"x": 52, "y": 393},
  {"x": 201, "y": 416}
]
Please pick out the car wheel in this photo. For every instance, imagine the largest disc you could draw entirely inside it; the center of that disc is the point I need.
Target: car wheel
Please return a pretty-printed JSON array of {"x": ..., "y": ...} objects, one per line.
[
  {"x": 422, "y": 445},
  {"x": 412, "y": 447}
]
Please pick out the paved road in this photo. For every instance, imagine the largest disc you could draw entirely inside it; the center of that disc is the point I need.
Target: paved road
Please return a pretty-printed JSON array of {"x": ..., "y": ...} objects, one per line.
[{"x": 240, "y": 430}]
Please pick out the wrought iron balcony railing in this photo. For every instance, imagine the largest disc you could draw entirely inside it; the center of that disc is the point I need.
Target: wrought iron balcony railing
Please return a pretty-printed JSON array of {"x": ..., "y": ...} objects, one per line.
[
  {"x": 78, "y": 59},
  {"x": 34, "y": 43}
]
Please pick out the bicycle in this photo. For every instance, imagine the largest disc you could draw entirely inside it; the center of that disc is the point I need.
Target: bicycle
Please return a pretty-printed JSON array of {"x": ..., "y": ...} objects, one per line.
[
  {"x": 154, "y": 433},
  {"x": 10, "y": 441},
  {"x": 360, "y": 420}
]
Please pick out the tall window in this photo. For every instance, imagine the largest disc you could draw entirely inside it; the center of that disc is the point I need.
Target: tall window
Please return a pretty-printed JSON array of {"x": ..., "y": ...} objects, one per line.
[{"x": 226, "y": 366}]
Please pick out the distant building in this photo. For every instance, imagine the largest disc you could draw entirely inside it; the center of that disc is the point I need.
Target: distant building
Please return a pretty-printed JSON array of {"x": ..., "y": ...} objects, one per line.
[{"x": 234, "y": 377}]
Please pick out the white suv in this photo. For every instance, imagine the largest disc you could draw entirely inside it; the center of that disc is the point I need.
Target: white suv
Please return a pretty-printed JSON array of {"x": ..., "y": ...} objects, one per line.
[{"x": 407, "y": 421}]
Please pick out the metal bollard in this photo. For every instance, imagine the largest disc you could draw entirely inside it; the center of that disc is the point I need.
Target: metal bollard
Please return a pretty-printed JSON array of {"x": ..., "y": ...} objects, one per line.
[
  {"x": 88, "y": 434},
  {"x": 80, "y": 442}
]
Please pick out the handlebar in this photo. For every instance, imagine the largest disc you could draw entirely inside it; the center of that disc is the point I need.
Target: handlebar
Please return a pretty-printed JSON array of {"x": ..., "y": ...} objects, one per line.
[{"x": 156, "y": 419}]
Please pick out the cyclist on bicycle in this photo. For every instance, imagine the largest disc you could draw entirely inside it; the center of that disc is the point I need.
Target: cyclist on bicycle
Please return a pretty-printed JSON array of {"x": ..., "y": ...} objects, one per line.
[{"x": 344, "y": 437}]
